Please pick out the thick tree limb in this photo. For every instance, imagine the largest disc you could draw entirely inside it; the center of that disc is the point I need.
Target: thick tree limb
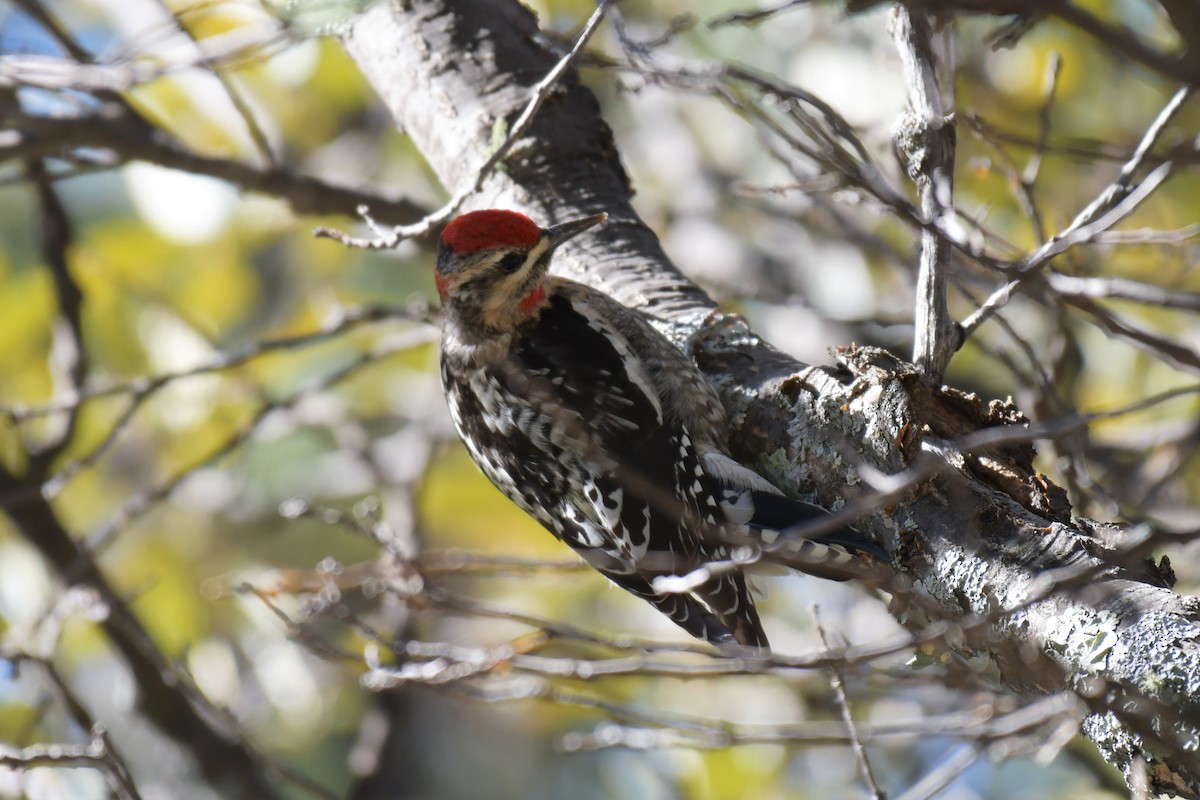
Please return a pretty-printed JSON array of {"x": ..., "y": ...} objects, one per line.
[{"x": 987, "y": 542}]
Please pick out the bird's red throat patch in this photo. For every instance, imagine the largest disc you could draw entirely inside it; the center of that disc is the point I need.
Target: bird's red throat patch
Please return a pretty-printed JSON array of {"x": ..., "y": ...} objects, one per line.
[
  {"x": 477, "y": 230},
  {"x": 534, "y": 299}
]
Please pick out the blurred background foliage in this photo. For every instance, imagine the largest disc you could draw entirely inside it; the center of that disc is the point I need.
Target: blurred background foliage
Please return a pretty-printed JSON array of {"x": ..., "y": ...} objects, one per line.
[{"x": 181, "y": 272}]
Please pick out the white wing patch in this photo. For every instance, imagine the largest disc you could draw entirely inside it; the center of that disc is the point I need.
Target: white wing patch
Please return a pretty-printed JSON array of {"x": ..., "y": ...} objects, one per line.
[
  {"x": 727, "y": 471},
  {"x": 633, "y": 366},
  {"x": 738, "y": 506}
]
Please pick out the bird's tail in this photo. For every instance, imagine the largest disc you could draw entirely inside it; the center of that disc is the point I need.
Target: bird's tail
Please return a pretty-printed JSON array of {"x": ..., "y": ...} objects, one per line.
[{"x": 831, "y": 554}]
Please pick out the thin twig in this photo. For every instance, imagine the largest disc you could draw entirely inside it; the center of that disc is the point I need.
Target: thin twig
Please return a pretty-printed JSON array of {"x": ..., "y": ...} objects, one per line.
[
  {"x": 96, "y": 754},
  {"x": 1115, "y": 288},
  {"x": 139, "y": 503},
  {"x": 538, "y": 95},
  {"x": 228, "y": 359},
  {"x": 1118, "y": 200},
  {"x": 839, "y": 688},
  {"x": 106, "y": 757},
  {"x": 232, "y": 91},
  {"x": 1062, "y": 243},
  {"x": 126, "y": 138},
  {"x": 1028, "y": 177},
  {"x": 934, "y": 782},
  {"x": 754, "y": 16}
]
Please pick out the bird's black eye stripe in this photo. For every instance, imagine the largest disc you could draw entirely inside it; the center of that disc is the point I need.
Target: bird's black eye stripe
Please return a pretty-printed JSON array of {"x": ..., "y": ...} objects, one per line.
[{"x": 512, "y": 262}]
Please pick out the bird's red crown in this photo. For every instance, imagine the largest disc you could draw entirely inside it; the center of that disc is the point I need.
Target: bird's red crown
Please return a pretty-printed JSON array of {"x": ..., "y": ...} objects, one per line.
[{"x": 490, "y": 228}]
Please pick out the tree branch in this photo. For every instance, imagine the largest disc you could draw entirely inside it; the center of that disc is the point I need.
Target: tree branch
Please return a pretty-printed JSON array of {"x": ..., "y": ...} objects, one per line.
[
  {"x": 162, "y": 698},
  {"x": 129, "y": 140},
  {"x": 1182, "y": 68},
  {"x": 926, "y": 139}
]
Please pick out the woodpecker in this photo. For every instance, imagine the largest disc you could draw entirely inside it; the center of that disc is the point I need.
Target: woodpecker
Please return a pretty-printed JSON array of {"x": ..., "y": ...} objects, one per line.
[{"x": 594, "y": 424}]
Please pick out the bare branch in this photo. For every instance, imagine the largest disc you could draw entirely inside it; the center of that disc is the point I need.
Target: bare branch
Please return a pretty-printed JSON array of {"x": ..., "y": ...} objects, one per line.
[
  {"x": 57, "y": 238},
  {"x": 839, "y": 688},
  {"x": 926, "y": 139},
  {"x": 127, "y": 140},
  {"x": 1123, "y": 41},
  {"x": 103, "y": 535},
  {"x": 754, "y": 16},
  {"x": 97, "y": 754},
  {"x": 1063, "y": 242},
  {"x": 1115, "y": 288}
]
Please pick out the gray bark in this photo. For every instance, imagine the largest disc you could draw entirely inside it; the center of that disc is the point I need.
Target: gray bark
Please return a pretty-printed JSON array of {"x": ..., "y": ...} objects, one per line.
[
  {"x": 926, "y": 139},
  {"x": 982, "y": 541}
]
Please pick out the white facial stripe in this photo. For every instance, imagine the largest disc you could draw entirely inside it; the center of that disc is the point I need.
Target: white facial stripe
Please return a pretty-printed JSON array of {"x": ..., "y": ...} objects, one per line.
[
  {"x": 538, "y": 251},
  {"x": 532, "y": 257},
  {"x": 500, "y": 306}
]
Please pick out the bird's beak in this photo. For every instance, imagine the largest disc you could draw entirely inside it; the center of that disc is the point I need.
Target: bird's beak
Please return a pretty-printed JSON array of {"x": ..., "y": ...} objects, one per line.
[{"x": 557, "y": 234}]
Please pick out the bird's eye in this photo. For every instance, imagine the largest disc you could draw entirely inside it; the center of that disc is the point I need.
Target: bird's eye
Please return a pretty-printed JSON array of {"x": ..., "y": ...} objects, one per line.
[{"x": 512, "y": 262}]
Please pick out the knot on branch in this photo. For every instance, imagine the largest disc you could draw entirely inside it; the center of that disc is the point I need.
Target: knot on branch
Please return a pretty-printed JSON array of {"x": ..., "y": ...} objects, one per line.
[{"x": 990, "y": 441}]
